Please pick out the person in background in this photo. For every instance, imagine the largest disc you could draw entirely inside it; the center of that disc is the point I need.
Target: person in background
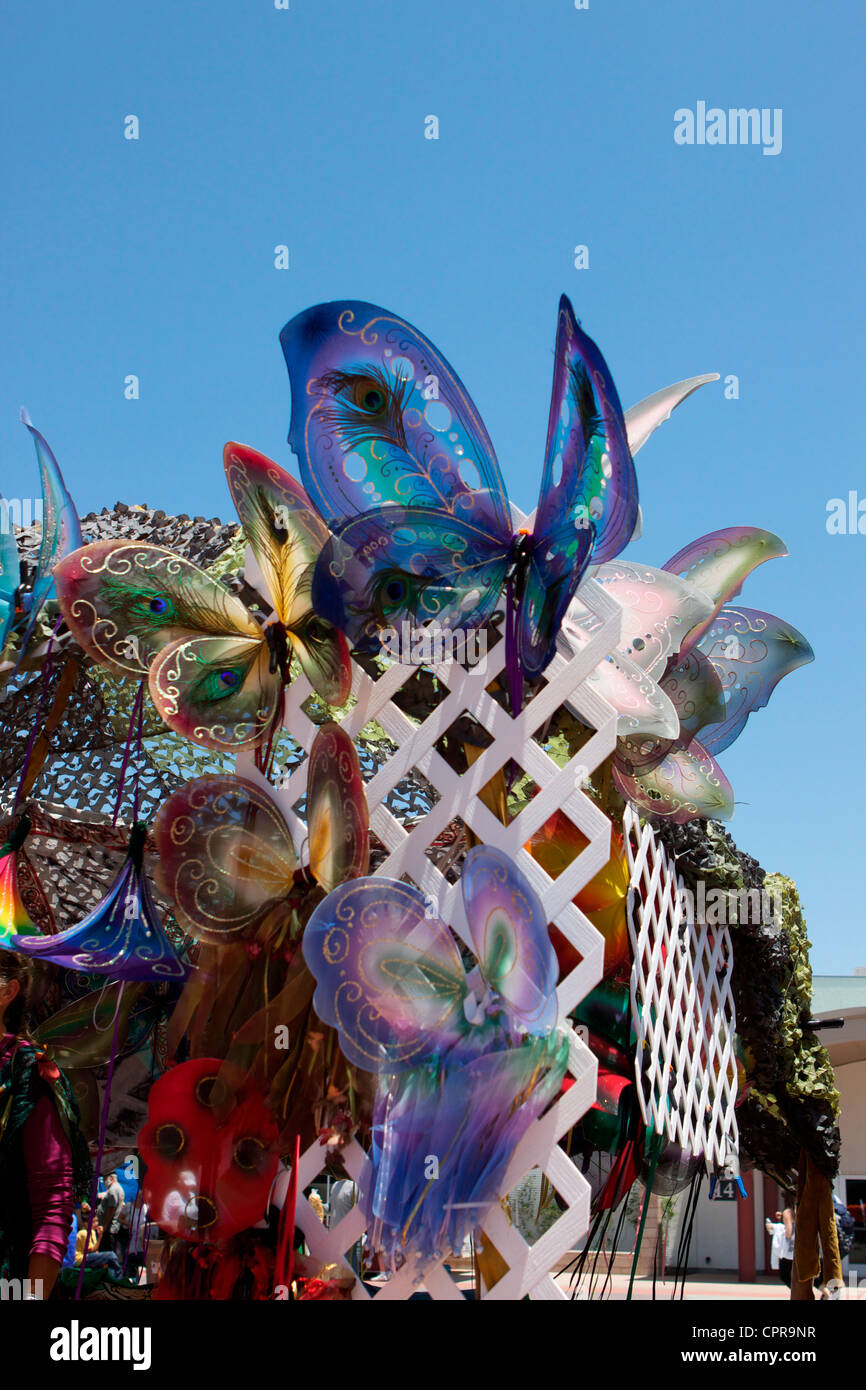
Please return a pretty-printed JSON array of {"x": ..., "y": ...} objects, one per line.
[
  {"x": 95, "y": 1258},
  {"x": 786, "y": 1250},
  {"x": 44, "y": 1162},
  {"x": 107, "y": 1212},
  {"x": 776, "y": 1232}
]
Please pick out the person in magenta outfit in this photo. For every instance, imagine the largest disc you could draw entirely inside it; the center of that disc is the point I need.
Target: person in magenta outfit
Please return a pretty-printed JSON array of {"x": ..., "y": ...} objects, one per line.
[{"x": 44, "y": 1162}]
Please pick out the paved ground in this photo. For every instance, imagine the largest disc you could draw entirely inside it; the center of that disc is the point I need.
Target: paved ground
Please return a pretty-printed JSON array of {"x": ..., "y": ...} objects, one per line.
[{"x": 720, "y": 1287}]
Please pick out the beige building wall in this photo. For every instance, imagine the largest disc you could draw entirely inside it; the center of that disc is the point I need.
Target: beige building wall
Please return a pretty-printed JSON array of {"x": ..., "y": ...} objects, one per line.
[{"x": 851, "y": 1080}]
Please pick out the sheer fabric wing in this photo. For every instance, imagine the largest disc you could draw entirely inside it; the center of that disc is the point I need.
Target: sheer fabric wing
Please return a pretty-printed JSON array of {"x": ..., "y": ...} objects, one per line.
[
  {"x": 219, "y": 692},
  {"x": 338, "y": 817},
  {"x": 552, "y": 578},
  {"x": 9, "y": 580},
  {"x": 61, "y": 529},
  {"x": 695, "y": 689},
  {"x": 641, "y": 706},
  {"x": 750, "y": 652},
  {"x": 660, "y": 610},
  {"x": 687, "y": 784},
  {"x": 643, "y": 419},
  {"x": 389, "y": 974},
  {"x": 588, "y": 468},
  {"x": 286, "y": 537},
  {"x": 225, "y": 855},
  {"x": 278, "y": 520},
  {"x": 719, "y": 564},
  {"x": 400, "y": 563},
  {"x": 123, "y": 603},
  {"x": 510, "y": 937},
  {"x": 379, "y": 416}
]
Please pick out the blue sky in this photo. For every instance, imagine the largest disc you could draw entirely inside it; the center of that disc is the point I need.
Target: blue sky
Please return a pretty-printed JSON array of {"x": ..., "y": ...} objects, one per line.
[{"x": 305, "y": 127}]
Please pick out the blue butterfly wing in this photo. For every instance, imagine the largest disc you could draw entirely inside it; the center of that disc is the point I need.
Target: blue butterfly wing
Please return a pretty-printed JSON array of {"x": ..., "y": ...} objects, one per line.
[
  {"x": 587, "y": 506},
  {"x": 751, "y": 652},
  {"x": 510, "y": 937},
  {"x": 61, "y": 528},
  {"x": 388, "y": 974},
  {"x": 9, "y": 577},
  {"x": 411, "y": 564},
  {"x": 379, "y": 416}
]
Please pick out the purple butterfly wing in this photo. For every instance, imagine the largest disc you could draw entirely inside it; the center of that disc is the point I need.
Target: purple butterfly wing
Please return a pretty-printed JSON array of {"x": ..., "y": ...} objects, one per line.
[
  {"x": 510, "y": 937},
  {"x": 389, "y": 974},
  {"x": 401, "y": 565},
  {"x": 587, "y": 507},
  {"x": 750, "y": 652},
  {"x": 379, "y": 416}
]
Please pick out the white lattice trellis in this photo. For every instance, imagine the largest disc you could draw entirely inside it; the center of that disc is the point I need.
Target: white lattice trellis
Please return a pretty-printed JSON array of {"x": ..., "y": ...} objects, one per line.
[
  {"x": 682, "y": 1006},
  {"x": 559, "y": 788}
]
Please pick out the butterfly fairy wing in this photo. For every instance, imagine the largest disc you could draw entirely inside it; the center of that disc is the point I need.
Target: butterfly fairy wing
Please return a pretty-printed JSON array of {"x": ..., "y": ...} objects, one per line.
[
  {"x": 402, "y": 564},
  {"x": 695, "y": 690},
  {"x": 587, "y": 464},
  {"x": 225, "y": 855},
  {"x": 588, "y": 499},
  {"x": 660, "y": 610},
  {"x": 10, "y": 575},
  {"x": 219, "y": 692},
  {"x": 510, "y": 937},
  {"x": 389, "y": 974},
  {"x": 338, "y": 816},
  {"x": 695, "y": 693},
  {"x": 552, "y": 576},
  {"x": 687, "y": 784},
  {"x": 379, "y": 415},
  {"x": 719, "y": 563},
  {"x": 641, "y": 706},
  {"x": 643, "y": 419},
  {"x": 286, "y": 537},
  {"x": 142, "y": 610},
  {"x": 61, "y": 529},
  {"x": 750, "y": 652},
  {"x": 124, "y": 603},
  {"x": 321, "y": 648}
]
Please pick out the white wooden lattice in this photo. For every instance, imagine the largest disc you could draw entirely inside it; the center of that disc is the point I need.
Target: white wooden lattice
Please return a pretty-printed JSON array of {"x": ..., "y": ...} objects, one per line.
[
  {"x": 682, "y": 1007},
  {"x": 559, "y": 788}
]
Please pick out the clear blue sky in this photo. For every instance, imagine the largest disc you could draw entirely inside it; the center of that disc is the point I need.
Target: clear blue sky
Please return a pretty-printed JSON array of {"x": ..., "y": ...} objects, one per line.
[{"x": 306, "y": 127}]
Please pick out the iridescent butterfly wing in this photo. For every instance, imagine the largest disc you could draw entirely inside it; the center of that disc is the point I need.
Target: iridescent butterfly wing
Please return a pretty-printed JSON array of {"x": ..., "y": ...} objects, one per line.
[
  {"x": 719, "y": 563},
  {"x": 141, "y": 610},
  {"x": 9, "y": 574},
  {"x": 286, "y": 537},
  {"x": 61, "y": 529},
  {"x": 750, "y": 652},
  {"x": 396, "y": 458},
  {"x": 660, "y": 610},
  {"x": 389, "y": 974},
  {"x": 510, "y": 938},
  {"x": 694, "y": 688},
  {"x": 226, "y": 857},
  {"x": 695, "y": 692},
  {"x": 338, "y": 816},
  {"x": 687, "y": 784},
  {"x": 379, "y": 416},
  {"x": 643, "y": 419},
  {"x": 588, "y": 500},
  {"x": 413, "y": 566}
]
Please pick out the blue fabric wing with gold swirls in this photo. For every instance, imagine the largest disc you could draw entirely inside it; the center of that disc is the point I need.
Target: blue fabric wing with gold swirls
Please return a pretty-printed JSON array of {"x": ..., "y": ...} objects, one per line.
[{"x": 394, "y": 454}]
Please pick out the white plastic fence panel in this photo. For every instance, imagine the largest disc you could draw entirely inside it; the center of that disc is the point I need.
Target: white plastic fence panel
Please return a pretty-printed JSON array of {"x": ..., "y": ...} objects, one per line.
[
  {"x": 558, "y": 788},
  {"x": 682, "y": 1006}
]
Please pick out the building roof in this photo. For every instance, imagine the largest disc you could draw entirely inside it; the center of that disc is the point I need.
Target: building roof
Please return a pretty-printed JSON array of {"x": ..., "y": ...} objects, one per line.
[{"x": 838, "y": 993}]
